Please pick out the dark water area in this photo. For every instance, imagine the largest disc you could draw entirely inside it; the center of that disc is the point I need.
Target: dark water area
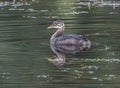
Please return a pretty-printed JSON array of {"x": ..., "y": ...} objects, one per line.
[{"x": 25, "y": 44}]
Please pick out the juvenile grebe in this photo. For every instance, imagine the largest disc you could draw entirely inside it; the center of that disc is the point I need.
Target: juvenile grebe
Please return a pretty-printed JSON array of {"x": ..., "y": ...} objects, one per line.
[{"x": 61, "y": 43}]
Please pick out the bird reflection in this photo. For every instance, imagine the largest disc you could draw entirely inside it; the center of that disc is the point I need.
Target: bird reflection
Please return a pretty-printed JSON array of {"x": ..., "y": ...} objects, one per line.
[{"x": 62, "y": 44}]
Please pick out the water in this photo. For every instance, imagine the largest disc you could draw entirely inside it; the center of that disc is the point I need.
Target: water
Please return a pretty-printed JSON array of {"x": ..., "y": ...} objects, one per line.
[{"x": 24, "y": 44}]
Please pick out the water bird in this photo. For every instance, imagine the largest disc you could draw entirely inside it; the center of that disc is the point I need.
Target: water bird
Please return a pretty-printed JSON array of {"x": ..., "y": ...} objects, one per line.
[{"x": 61, "y": 44}]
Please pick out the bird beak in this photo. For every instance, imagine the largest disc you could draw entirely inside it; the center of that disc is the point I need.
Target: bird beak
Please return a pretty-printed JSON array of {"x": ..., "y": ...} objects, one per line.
[
  {"x": 51, "y": 60},
  {"x": 50, "y": 27}
]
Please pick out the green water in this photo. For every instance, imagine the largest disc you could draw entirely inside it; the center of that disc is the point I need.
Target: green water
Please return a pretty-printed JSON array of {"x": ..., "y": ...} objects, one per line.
[{"x": 24, "y": 44}]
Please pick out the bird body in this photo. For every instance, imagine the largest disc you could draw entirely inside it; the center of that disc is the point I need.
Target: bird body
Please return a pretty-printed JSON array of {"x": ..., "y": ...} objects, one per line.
[{"x": 71, "y": 43}]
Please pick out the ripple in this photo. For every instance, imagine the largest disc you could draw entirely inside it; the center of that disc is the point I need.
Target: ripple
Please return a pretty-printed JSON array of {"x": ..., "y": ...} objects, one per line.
[
  {"x": 75, "y": 12},
  {"x": 110, "y": 76},
  {"x": 32, "y": 10},
  {"x": 15, "y": 9},
  {"x": 101, "y": 60},
  {"x": 5, "y": 75}
]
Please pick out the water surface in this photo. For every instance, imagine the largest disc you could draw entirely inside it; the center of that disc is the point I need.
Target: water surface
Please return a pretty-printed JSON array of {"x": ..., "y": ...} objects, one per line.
[{"x": 24, "y": 44}]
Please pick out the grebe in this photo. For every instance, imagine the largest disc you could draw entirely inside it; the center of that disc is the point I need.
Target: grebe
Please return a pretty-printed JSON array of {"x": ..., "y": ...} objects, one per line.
[{"x": 61, "y": 43}]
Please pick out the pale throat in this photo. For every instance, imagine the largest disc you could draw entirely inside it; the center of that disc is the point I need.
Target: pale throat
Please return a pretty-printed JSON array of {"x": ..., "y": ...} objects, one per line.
[{"x": 59, "y": 32}]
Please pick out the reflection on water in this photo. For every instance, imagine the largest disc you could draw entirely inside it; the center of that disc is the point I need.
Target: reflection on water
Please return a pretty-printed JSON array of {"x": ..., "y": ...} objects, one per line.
[{"x": 24, "y": 44}]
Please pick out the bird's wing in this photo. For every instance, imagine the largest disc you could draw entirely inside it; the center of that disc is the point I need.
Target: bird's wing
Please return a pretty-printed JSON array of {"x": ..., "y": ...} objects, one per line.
[{"x": 71, "y": 39}]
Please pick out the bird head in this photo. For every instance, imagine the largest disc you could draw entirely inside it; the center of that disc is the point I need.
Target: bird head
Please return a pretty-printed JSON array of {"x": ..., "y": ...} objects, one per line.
[{"x": 57, "y": 25}]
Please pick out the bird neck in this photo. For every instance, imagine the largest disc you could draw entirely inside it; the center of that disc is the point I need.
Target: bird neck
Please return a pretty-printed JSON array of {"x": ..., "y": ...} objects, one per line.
[{"x": 59, "y": 32}]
